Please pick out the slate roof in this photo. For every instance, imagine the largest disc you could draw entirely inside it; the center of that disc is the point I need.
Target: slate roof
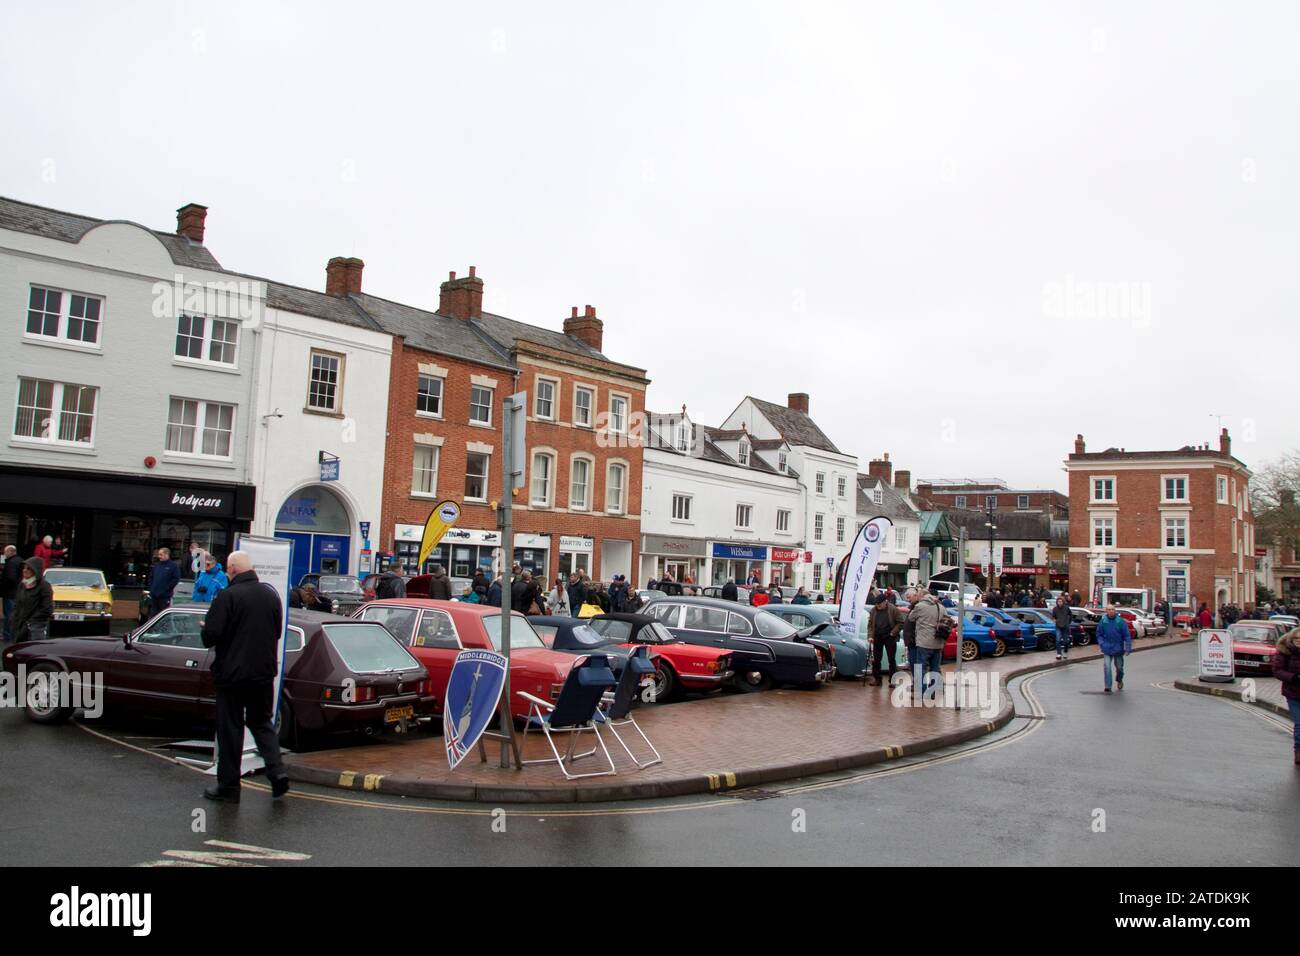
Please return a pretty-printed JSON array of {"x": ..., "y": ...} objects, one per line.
[
  {"x": 70, "y": 227},
  {"x": 1012, "y": 525},
  {"x": 795, "y": 427},
  {"x": 892, "y": 505},
  {"x": 507, "y": 332},
  {"x": 334, "y": 308},
  {"x": 433, "y": 332}
]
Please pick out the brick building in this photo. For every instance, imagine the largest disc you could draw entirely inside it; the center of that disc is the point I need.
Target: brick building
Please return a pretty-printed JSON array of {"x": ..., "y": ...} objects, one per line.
[
  {"x": 1175, "y": 521},
  {"x": 451, "y": 371},
  {"x": 966, "y": 494}
]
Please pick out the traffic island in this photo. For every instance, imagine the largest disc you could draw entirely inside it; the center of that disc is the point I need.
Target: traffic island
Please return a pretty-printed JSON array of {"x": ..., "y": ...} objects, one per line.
[
  {"x": 1263, "y": 691},
  {"x": 709, "y": 745}
]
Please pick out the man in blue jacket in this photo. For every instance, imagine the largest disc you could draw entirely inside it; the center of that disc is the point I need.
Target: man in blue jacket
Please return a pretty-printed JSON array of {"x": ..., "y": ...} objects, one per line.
[
  {"x": 211, "y": 581},
  {"x": 1114, "y": 640},
  {"x": 163, "y": 579}
]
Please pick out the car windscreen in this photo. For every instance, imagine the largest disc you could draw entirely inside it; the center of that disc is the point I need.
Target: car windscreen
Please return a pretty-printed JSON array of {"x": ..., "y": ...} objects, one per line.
[
  {"x": 367, "y": 648},
  {"x": 340, "y": 584},
  {"x": 400, "y": 621},
  {"x": 584, "y": 636},
  {"x": 74, "y": 579},
  {"x": 617, "y": 632},
  {"x": 1253, "y": 635},
  {"x": 769, "y": 625},
  {"x": 522, "y": 634}
]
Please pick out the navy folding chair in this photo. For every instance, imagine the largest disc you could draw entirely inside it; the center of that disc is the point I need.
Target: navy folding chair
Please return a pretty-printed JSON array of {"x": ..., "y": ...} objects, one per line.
[
  {"x": 618, "y": 711},
  {"x": 575, "y": 711}
]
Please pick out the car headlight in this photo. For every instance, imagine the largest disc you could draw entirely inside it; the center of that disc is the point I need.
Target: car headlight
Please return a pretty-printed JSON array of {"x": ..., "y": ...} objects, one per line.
[{"x": 334, "y": 606}]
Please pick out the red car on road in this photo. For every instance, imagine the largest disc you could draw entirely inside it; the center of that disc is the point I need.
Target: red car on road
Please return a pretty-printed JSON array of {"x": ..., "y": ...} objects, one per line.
[
  {"x": 436, "y": 631},
  {"x": 1254, "y": 644},
  {"x": 678, "y": 665}
]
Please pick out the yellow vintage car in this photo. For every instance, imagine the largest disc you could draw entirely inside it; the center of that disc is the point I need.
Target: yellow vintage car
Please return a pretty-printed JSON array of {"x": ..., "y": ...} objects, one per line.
[{"x": 83, "y": 602}]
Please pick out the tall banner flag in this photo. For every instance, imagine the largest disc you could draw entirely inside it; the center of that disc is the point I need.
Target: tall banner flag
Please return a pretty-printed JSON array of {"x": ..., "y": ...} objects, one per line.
[
  {"x": 861, "y": 570},
  {"x": 441, "y": 520}
]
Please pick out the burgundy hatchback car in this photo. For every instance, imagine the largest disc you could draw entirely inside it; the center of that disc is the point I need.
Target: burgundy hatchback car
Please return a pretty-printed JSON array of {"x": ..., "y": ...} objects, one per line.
[{"x": 340, "y": 674}]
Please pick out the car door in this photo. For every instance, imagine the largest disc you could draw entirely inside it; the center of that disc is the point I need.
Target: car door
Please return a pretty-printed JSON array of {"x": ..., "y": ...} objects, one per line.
[
  {"x": 438, "y": 640},
  {"x": 163, "y": 666}
]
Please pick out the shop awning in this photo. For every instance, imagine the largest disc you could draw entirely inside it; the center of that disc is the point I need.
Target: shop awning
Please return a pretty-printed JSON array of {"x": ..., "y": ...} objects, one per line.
[{"x": 935, "y": 530}]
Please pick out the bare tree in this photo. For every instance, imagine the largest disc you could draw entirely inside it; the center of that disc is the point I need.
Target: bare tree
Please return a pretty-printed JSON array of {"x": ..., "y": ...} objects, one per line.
[{"x": 1273, "y": 492}]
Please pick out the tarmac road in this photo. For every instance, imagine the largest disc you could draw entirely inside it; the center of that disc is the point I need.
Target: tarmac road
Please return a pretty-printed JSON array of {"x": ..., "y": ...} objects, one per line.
[{"x": 1177, "y": 779}]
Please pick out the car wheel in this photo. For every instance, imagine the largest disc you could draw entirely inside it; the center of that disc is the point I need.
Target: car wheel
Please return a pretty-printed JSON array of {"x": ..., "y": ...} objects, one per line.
[
  {"x": 41, "y": 702},
  {"x": 1085, "y": 640},
  {"x": 285, "y": 725},
  {"x": 1046, "y": 642},
  {"x": 999, "y": 647},
  {"x": 665, "y": 686},
  {"x": 753, "y": 681},
  {"x": 969, "y": 650}
]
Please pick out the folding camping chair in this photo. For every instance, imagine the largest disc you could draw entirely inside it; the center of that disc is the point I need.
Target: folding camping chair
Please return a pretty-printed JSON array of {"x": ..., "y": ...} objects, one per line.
[
  {"x": 575, "y": 711},
  {"x": 618, "y": 712}
]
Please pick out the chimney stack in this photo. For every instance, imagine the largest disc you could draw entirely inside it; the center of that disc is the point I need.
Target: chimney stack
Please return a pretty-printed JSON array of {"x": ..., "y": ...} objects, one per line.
[
  {"x": 903, "y": 480},
  {"x": 343, "y": 276},
  {"x": 882, "y": 468},
  {"x": 461, "y": 298},
  {"x": 1225, "y": 443},
  {"x": 797, "y": 402},
  {"x": 587, "y": 329},
  {"x": 189, "y": 221},
  {"x": 1078, "y": 444}
]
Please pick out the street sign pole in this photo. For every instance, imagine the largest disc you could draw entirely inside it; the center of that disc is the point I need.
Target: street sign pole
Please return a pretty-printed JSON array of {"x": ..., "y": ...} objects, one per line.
[
  {"x": 961, "y": 606},
  {"x": 512, "y": 470}
]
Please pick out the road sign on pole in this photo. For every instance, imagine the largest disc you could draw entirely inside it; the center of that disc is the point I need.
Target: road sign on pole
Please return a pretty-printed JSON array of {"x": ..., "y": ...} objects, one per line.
[{"x": 512, "y": 476}]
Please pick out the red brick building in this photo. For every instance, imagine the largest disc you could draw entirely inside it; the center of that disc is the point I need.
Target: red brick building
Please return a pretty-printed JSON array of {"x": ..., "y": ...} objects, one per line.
[
  {"x": 977, "y": 496},
  {"x": 1175, "y": 521},
  {"x": 451, "y": 371}
]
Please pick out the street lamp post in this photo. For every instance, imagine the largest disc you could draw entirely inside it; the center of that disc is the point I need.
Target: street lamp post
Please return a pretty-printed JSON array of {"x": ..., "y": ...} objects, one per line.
[{"x": 992, "y": 530}]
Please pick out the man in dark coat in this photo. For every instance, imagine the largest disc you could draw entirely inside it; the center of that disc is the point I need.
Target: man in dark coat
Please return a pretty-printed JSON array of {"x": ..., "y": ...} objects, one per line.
[
  {"x": 523, "y": 593},
  {"x": 244, "y": 625},
  {"x": 493, "y": 597},
  {"x": 577, "y": 593},
  {"x": 618, "y": 594},
  {"x": 480, "y": 585},
  {"x": 729, "y": 592},
  {"x": 34, "y": 605},
  {"x": 11, "y": 579},
  {"x": 439, "y": 584},
  {"x": 163, "y": 579}
]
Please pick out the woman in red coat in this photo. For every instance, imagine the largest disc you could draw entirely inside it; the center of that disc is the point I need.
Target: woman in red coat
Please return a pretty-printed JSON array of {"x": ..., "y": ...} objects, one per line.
[
  {"x": 1204, "y": 618},
  {"x": 1286, "y": 668}
]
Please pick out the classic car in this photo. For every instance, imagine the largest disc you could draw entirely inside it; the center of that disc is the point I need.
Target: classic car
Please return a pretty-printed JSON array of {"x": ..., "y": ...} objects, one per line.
[
  {"x": 572, "y": 636},
  {"x": 83, "y": 602},
  {"x": 340, "y": 675},
  {"x": 765, "y": 649},
  {"x": 679, "y": 666},
  {"x": 743, "y": 592},
  {"x": 852, "y": 654},
  {"x": 1045, "y": 626},
  {"x": 343, "y": 591},
  {"x": 982, "y": 636},
  {"x": 1028, "y": 635},
  {"x": 436, "y": 631},
  {"x": 1254, "y": 644},
  {"x": 1087, "y": 619}
]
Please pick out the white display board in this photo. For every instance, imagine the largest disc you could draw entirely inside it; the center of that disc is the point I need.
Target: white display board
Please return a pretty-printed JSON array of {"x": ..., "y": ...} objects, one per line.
[{"x": 1216, "y": 655}]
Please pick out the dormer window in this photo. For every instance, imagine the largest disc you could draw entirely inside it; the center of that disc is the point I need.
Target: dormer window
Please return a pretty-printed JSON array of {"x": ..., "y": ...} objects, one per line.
[
  {"x": 683, "y": 437},
  {"x": 781, "y": 462},
  {"x": 743, "y": 454}
]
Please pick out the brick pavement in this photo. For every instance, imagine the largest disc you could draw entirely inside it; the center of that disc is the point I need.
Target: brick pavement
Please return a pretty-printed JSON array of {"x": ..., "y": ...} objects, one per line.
[{"x": 717, "y": 743}]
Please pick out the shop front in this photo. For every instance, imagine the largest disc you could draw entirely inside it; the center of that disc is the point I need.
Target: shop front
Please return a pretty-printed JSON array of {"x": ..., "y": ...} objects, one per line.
[
  {"x": 1022, "y": 576},
  {"x": 785, "y": 562},
  {"x": 575, "y": 555},
  {"x": 117, "y": 523},
  {"x": 891, "y": 576},
  {"x": 462, "y": 551},
  {"x": 683, "y": 558},
  {"x": 736, "y": 562},
  {"x": 317, "y": 523}
]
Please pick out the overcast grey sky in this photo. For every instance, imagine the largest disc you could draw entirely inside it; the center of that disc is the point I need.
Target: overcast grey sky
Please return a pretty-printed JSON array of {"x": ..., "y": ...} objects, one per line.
[{"x": 968, "y": 230}]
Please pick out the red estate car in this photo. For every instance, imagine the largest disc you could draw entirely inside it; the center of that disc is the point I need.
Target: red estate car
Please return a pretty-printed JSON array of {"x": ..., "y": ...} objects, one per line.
[
  {"x": 1254, "y": 644},
  {"x": 436, "y": 631}
]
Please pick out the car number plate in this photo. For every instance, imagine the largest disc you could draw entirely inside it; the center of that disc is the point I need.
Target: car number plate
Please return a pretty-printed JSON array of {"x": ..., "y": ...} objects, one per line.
[
  {"x": 69, "y": 617},
  {"x": 393, "y": 714}
]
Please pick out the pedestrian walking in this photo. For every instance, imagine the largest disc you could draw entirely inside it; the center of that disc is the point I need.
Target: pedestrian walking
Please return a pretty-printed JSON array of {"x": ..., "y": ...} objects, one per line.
[
  {"x": 1204, "y": 618},
  {"x": 1063, "y": 619},
  {"x": 439, "y": 584},
  {"x": 211, "y": 580},
  {"x": 730, "y": 591},
  {"x": 163, "y": 578},
  {"x": 559, "y": 598},
  {"x": 44, "y": 550},
  {"x": 34, "y": 605},
  {"x": 243, "y": 626},
  {"x": 884, "y": 624},
  {"x": 1115, "y": 641},
  {"x": 577, "y": 593},
  {"x": 1286, "y": 668},
  {"x": 11, "y": 581},
  {"x": 929, "y": 619}
]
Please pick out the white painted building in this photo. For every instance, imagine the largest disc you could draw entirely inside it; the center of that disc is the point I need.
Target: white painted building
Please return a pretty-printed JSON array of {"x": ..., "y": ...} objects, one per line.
[
  {"x": 899, "y": 554},
  {"x": 789, "y": 440},
  {"x": 715, "y": 507}
]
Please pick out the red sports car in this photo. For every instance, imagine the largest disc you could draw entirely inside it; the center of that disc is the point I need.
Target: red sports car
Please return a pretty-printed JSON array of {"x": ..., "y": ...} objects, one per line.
[
  {"x": 436, "y": 631},
  {"x": 678, "y": 665},
  {"x": 1254, "y": 644}
]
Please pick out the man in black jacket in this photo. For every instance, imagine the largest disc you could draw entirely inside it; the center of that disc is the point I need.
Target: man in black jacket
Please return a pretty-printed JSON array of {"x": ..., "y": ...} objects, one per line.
[
  {"x": 11, "y": 579},
  {"x": 34, "y": 603},
  {"x": 439, "y": 584},
  {"x": 729, "y": 592},
  {"x": 244, "y": 624}
]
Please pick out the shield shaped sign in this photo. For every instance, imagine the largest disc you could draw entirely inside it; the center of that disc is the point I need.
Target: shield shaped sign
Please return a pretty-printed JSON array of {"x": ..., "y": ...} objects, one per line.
[{"x": 473, "y": 691}]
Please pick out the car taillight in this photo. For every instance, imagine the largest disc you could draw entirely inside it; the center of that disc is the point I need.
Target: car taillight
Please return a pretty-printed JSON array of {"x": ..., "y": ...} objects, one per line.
[
  {"x": 426, "y": 688},
  {"x": 992, "y": 634},
  {"x": 555, "y": 691},
  {"x": 713, "y": 666}
]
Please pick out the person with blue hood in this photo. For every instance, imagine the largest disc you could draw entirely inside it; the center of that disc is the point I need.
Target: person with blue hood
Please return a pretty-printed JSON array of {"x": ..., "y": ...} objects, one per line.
[
  {"x": 211, "y": 580},
  {"x": 1115, "y": 641}
]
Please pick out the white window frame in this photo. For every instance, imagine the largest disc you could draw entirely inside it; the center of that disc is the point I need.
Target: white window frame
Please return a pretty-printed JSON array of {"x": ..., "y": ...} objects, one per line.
[
  {"x": 64, "y": 320},
  {"x": 991, "y": 501},
  {"x": 1092, "y": 489},
  {"x": 682, "y": 514},
  {"x": 200, "y": 428},
  {"x": 589, "y": 390},
  {"x": 437, "y": 464},
  {"x": 440, "y": 414},
  {"x": 820, "y": 483},
  {"x": 900, "y": 539},
  {"x": 841, "y": 486},
  {"x": 1221, "y": 485},
  {"x": 877, "y": 495},
  {"x": 683, "y": 439},
  {"x": 538, "y": 380},
  {"x": 840, "y": 528},
  {"x": 491, "y": 402},
  {"x": 1094, "y": 524},
  {"x": 487, "y": 473},
  {"x": 1187, "y": 490},
  {"x": 782, "y": 461},
  {"x": 205, "y": 348},
  {"x": 56, "y": 415},
  {"x": 744, "y": 510},
  {"x": 783, "y": 521},
  {"x": 1167, "y": 523},
  {"x": 742, "y": 452},
  {"x": 959, "y": 501},
  {"x": 627, "y": 412},
  {"x": 621, "y": 507},
  {"x": 1019, "y": 499},
  {"x": 337, "y": 408},
  {"x": 819, "y": 526},
  {"x": 548, "y": 498},
  {"x": 589, "y": 491}
]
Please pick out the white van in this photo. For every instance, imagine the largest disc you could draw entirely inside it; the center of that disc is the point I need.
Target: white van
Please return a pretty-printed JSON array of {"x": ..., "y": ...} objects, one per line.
[{"x": 950, "y": 590}]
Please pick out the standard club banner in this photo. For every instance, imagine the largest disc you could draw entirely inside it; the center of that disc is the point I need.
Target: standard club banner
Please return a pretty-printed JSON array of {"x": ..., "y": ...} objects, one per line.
[
  {"x": 441, "y": 520},
  {"x": 861, "y": 570}
]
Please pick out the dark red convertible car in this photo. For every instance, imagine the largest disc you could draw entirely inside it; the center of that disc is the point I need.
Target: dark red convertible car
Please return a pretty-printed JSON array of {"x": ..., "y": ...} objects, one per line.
[{"x": 340, "y": 674}]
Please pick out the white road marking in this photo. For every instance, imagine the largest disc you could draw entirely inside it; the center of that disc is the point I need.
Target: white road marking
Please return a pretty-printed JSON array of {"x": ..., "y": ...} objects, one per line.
[{"x": 228, "y": 854}]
